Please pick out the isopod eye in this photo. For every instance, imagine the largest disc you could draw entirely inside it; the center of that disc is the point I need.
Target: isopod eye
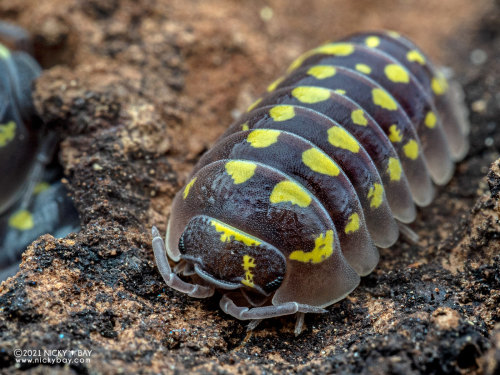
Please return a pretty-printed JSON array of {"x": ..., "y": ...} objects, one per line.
[
  {"x": 228, "y": 257},
  {"x": 273, "y": 285},
  {"x": 182, "y": 249}
]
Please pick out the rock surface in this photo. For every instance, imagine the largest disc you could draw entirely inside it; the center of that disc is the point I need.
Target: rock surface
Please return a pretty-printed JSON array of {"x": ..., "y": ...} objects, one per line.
[{"x": 139, "y": 90}]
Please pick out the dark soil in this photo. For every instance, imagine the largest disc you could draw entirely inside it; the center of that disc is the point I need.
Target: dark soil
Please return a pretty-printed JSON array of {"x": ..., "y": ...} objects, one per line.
[{"x": 138, "y": 90}]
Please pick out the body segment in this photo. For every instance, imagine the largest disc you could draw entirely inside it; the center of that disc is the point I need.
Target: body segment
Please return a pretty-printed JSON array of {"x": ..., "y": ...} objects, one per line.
[
  {"x": 446, "y": 96},
  {"x": 408, "y": 93},
  {"x": 32, "y": 199},
  {"x": 19, "y": 136},
  {"x": 285, "y": 211}
]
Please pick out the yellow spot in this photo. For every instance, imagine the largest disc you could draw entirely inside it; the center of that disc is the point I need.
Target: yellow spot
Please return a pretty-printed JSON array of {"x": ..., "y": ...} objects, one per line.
[
  {"x": 340, "y": 91},
  {"x": 415, "y": 56},
  {"x": 254, "y": 104},
  {"x": 7, "y": 132},
  {"x": 320, "y": 162},
  {"x": 383, "y": 99},
  {"x": 372, "y": 41},
  {"x": 41, "y": 186},
  {"x": 363, "y": 68},
  {"x": 375, "y": 195},
  {"x": 275, "y": 84},
  {"x": 323, "y": 249},
  {"x": 21, "y": 220},
  {"x": 358, "y": 117},
  {"x": 188, "y": 187},
  {"x": 248, "y": 263},
  {"x": 4, "y": 52},
  {"x": 310, "y": 95},
  {"x": 339, "y": 137},
  {"x": 393, "y": 34},
  {"x": 411, "y": 149},
  {"x": 396, "y": 73},
  {"x": 322, "y": 71},
  {"x": 395, "y": 134},
  {"x": 430, "y": 120},
  {"x": 394, "y": 169},
  {"x": 353, "y": 224},
  {"x": 337, "y": 49},
  {"x": 245, "y": 126},
  {"x": 299, "y": 60},
  {"x": 229, "y": 234},
  {"x": 240, "y": 171},
  {"x": 262, "y": 138},
  {"x": 282, "y": 113},
  {"x": 288, "y": 191},
  {"x": 439, "y": 85}
]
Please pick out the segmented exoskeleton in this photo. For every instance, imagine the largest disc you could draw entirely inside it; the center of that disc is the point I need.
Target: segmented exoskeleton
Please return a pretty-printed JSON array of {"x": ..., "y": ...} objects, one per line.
[
  {"x": 285, "y": 212},
  {"x": 32, "y": 199}
]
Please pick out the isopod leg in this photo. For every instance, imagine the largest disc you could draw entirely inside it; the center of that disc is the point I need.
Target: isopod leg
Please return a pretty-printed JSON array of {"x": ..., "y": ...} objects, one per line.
[
  {"x": 250, "y": 313},
  {"x": 253, "y": 324},
  {"x": 171, "y": 278},
  {"x": 299, "y": 323}
]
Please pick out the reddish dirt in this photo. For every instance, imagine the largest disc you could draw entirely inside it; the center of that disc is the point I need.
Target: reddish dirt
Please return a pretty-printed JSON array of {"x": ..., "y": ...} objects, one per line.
[{"x": 139, "y": 90}]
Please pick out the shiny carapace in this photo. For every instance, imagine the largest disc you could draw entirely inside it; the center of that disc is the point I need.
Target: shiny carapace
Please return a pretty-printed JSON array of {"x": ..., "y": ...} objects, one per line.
[
  {"x": 32, "y": 199},
  {"x": 285, "y": 213}
]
